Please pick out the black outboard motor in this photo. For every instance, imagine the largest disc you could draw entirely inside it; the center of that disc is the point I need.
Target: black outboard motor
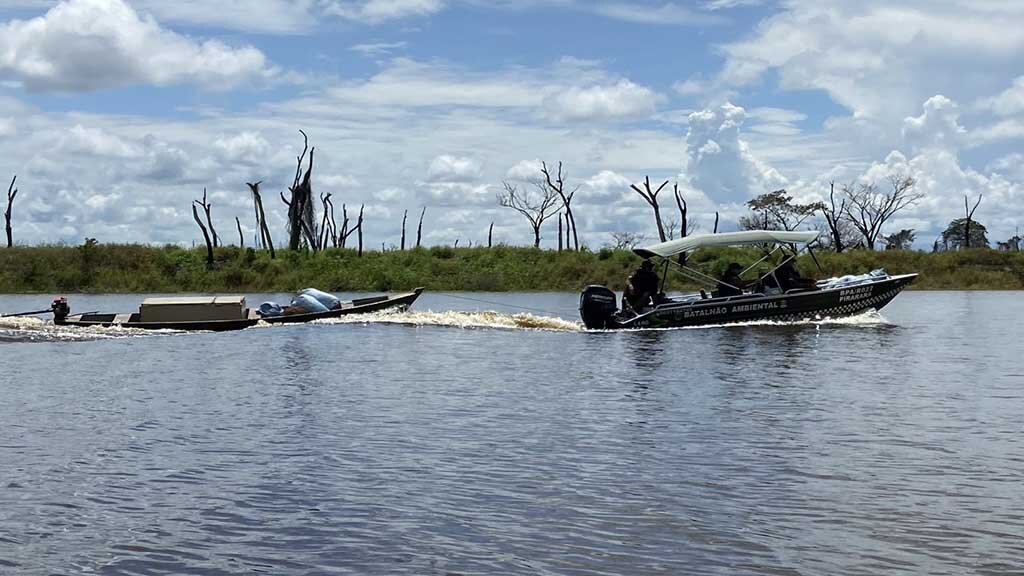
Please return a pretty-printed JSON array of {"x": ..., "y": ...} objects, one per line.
[
  {"x": 61, "y": 309},
  {"x": 597, "y": 307}
]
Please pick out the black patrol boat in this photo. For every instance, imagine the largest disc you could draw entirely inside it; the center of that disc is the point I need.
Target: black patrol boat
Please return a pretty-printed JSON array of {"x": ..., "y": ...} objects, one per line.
[{"x": 766, "y": 299}]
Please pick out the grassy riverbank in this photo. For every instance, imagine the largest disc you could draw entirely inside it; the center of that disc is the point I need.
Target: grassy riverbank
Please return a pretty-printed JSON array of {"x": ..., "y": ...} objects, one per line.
[{"x": 135, "y": 268}]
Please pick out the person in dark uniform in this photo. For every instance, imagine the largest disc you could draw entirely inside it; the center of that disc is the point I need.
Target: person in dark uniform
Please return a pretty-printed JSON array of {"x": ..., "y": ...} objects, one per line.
[
  {"x": 730, "y": 284},
  {"x": 790, "y": 279},
  {"x": 642, "y": 287}
]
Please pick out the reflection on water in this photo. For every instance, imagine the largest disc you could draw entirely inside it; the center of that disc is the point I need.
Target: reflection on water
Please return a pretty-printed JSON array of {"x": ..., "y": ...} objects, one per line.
[{"x": 476, "y": 442}]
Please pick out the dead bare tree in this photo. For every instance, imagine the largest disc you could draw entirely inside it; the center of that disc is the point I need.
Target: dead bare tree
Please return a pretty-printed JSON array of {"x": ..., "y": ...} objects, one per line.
[
  {"x": 834, "y": 217},
  {"x": 716, "y": 224},
  {"x": 206, "y": 234},
  {"x": 206, "y": 206},
  {"x": 404, "y": 217},
  {"x": 12, "y": 193},
  {"x": 359, "y": 228},
  {"x": 559, "y": 231},
  {"x": 419, "y": 228},
  {"x": 301, "y": 212},
  {"x": 685, "y": 228},
  {"x": 651, "y": 196},
  {"x": 490, "y": 234},
  {"x": 329, "y": 226},
  {"x": 969, "y": 219},
  {"x": 870, "y": 209},
  {"x": 262, "y": 229},
  {"x": 557, "y": 185},
  {"x": 535, "y": 209},
  {"x": 241, "y": 237},
  {"x": 626, "y": 240}
]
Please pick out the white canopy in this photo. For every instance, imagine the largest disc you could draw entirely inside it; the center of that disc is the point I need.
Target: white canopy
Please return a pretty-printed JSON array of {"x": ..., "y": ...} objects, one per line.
[{"x": 691, "y": 243}]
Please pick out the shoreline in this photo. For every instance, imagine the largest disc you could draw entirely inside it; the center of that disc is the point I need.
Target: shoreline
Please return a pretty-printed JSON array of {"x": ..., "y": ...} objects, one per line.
[{"x": 140, "y": 269}]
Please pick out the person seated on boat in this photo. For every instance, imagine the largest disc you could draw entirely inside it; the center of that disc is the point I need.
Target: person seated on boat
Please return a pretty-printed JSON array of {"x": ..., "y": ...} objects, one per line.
[
  {"x": 790, "y": 279},
  {"x": 730, "y": 284},
  {"x": 642, "y": 287}
]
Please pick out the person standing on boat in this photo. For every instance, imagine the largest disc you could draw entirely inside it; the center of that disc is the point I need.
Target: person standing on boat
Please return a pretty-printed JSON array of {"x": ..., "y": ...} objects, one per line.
[{"x": 642, "y": 287}]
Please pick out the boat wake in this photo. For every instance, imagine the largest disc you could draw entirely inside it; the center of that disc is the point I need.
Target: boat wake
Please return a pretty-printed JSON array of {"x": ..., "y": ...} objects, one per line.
[
  {"x": 28, "y": 329},
  {"x": 454, "y": 319}
]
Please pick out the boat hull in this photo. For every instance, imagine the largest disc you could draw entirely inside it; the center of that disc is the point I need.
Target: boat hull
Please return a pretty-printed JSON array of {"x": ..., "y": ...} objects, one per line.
[
  {"x": 828, "y": 303},
  {"x": 359, "y": 306}
]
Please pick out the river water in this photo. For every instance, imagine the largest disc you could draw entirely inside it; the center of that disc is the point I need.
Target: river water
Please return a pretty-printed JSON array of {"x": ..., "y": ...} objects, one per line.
[{"x": 451, "y": 442}]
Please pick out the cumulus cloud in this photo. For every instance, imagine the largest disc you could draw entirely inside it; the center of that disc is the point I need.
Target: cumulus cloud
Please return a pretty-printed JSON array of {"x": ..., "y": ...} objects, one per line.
[
  {"x": 878, "y": 59},
  {"x": 623, "y": 99},
  {"x": 937, "y": 127},
  {"x": 525, "y": 170},
  {"x": 719, "y": 163},
  {"x": 448, "y": 168},
  {"x": 82, "y": 45}
]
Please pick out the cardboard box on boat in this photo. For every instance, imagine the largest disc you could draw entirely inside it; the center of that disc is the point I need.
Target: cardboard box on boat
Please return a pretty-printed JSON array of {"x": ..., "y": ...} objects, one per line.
[{"x": 192, "y": 308}]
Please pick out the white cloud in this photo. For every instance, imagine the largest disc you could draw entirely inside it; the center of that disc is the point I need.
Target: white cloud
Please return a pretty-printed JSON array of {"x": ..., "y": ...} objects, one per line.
[
  {"x": 664, "y": 14},
  {"x": 526, "y": 170},
  {"x": 81, "y": 45},
  {"x": 878, "y": 59},
  {"x": 623, "y": 99},
  {"x": 377, "y": 11},
  {"x": 7, "y": 127},
  {"x": 448, "y": 168},
  {"x": 605, "y": 186},
  {"x": 719, "y": 163},
  {"x": 936, "y": 127},
  {"x": 377, "y": 48},
  {"x": 247, "y": 147},
  {"x": 1009, "y": 101}
]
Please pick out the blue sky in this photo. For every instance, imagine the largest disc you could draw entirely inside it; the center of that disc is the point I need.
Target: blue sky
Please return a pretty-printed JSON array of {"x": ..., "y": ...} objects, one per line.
[{"x": 116, "y": 113}]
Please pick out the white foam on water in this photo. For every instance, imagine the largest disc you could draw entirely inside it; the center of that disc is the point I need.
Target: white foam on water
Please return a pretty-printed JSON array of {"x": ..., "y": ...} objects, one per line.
[
  {"x": 30, "y": 329},
  {"x": 455, "y": 319}
]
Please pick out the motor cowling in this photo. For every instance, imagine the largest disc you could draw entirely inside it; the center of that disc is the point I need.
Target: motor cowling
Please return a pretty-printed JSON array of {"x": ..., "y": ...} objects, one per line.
[
  {"x": 61, "y": 309},
  {"x": 597, "y": 307}
]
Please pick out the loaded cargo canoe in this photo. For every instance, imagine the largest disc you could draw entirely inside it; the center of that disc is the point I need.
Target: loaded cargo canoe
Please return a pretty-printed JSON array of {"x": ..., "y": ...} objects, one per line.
[{"x": 216, "y": 313}]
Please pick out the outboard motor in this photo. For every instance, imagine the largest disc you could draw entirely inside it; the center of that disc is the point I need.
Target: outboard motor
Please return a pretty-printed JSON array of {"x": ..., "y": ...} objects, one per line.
[
  {"x": 597, "y": 307},
  {"x": 61, "y": 309}
]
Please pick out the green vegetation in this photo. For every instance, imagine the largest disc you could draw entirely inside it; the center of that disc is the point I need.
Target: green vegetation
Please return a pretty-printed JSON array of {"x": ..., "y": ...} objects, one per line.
[{"x": 102, "y": 268}]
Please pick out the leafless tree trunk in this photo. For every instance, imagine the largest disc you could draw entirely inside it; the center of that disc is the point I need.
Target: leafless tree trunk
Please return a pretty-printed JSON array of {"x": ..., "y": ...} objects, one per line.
[
  {"x": 535, "y": 210},
  {"x": 301, "y": 212},
  {"x": 241, "y": 237},
  {"x": 557, "y": 185},
  {"x": 359, "y": 227},
  {"x": 490, "y": 234},
  {"x": 206, "y": 234},
  {"x": 967, "y": 221},
  {"x": 869, "y": 209},
  {"x": 404, "y": 217},
  {"x": 328, "y": 231},
  {"x": 834, "y": 217},
  {"x": 206, "y": 206},
  {"x": 559, "y": 232},
  {"x": 716, "y": 224},
  {"x": 261, "y": 218},
  {"x": 684, "y": 222},
  {"x": 419, "y": 229},
  {"x": 456, "y": 243},
  {"x": 345, "y": 232},
  {"x": 651, "y": 196},
  {"x": 12, "y": 193}
]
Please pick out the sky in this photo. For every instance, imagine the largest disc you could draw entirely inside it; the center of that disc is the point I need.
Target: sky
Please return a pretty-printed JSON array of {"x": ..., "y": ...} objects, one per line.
[{"x": 115, "y": 114}]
